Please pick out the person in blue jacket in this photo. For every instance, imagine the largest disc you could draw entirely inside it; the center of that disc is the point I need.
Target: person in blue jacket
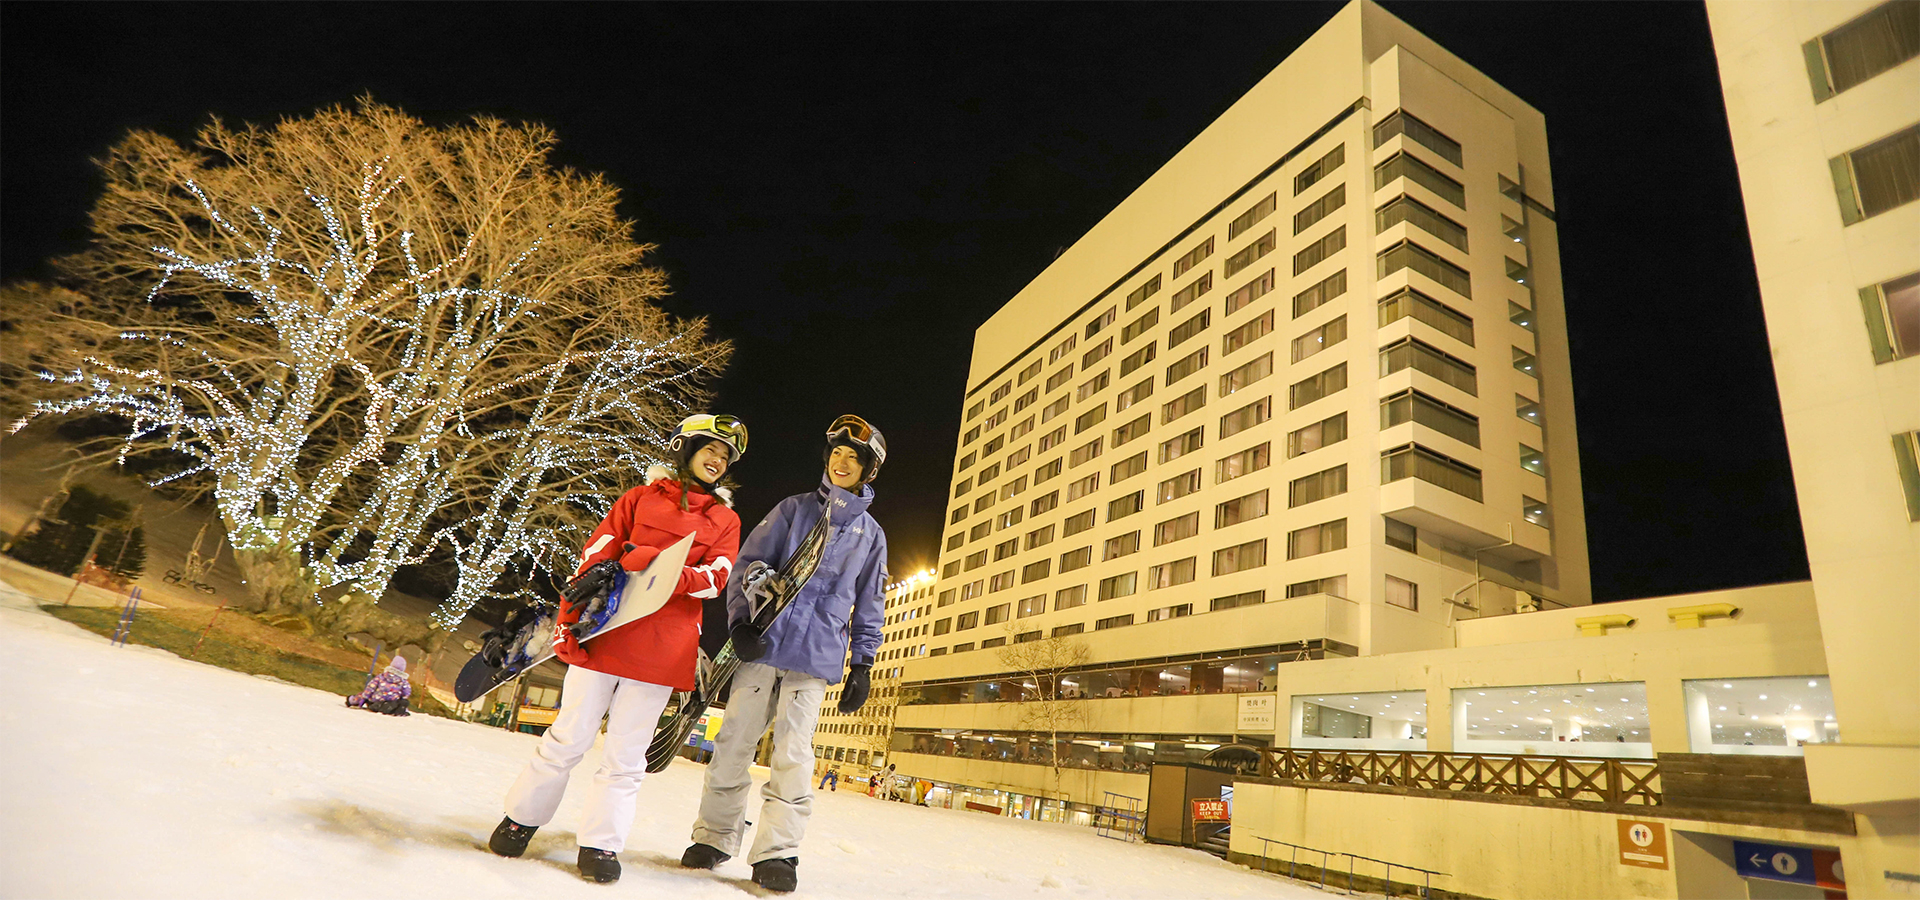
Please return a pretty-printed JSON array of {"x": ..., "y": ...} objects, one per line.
[{"x": 835, "y": 619}]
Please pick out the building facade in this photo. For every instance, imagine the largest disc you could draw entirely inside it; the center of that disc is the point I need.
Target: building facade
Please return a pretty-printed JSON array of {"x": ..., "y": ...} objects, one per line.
[{"x": 1823, "y": 101}]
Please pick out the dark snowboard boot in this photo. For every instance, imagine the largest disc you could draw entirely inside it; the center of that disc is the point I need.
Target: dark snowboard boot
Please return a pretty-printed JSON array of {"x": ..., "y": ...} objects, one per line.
[
  {"x": 602, "y": 866},
  {"x": 702, "y": 856},
  {"x": 510, "y": 838},
  {"x": 779, "y": 875}
]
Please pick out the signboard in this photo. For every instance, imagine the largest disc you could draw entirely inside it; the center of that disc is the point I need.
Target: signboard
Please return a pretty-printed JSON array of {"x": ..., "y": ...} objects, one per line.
[
  {"x": 1256, "y": 713},
  {"x": 1211, "y": 811},
  {"x": 1643, "y": 844},
  {"x": 1817, "y": 866}
]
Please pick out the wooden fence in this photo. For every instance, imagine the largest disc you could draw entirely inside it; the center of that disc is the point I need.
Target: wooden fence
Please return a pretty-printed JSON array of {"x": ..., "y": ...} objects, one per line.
[{"x": 1617, "y": 781}]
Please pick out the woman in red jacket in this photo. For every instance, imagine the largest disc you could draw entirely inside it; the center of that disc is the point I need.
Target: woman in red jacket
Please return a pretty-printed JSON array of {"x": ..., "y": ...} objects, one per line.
[{"x": 628, "y": 674}]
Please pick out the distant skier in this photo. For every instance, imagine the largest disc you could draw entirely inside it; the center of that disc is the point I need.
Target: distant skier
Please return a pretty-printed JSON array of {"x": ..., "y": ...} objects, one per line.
[
  {"x": 831, "y": 780},
  {"x": 792, "y": 665},
  {"x": 628, "y": 674},
  {"x": 386, "y": 692}
]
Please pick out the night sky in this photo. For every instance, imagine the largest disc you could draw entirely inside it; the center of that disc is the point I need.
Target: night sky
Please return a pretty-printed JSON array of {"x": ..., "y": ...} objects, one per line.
[{"x": 849, "y": 191}]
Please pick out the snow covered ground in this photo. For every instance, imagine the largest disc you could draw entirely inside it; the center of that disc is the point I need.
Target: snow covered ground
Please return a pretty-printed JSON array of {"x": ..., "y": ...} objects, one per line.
[{"x": 129, "y": 772}]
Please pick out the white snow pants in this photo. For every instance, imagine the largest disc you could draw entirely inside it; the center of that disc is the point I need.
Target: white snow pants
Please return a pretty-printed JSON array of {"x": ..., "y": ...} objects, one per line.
[
  {"x": 791, "y": 701},
  {"x": 632, "y": 709}
]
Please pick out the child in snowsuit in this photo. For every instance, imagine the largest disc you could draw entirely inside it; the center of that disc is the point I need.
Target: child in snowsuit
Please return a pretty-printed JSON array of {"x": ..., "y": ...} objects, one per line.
[
  {"x": 386, "y": 692},
  {"x": 789, "y": 668},
  {"x": 627, "y": 675}
]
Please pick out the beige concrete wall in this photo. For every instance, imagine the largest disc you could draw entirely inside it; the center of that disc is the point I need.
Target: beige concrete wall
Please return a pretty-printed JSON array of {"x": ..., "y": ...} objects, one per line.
[{"x": 1079, "y": 785}]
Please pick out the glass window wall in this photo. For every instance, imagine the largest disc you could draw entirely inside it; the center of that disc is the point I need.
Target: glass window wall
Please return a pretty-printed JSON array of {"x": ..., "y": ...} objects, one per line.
[
  {"x": 1608, "y": 719},
  {"x": 1760, "y": 716},
  {"x": 1382, "y": 720}
]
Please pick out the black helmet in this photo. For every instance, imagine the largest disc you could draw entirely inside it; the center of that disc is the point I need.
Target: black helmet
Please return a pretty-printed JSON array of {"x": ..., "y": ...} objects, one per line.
[{"x": 866, "y": 440}]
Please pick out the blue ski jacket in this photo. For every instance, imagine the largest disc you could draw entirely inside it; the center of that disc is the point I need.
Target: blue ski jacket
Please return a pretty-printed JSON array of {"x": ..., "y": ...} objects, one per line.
[{"x": 844, "y": 605}]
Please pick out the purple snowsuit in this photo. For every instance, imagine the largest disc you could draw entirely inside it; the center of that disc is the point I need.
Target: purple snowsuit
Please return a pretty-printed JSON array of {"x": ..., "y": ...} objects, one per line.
[{"x": 386, "y": 692}]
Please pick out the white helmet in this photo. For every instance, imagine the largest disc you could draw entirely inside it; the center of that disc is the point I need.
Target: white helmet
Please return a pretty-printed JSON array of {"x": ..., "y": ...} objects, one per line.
[{"x": 725, "y": 429}]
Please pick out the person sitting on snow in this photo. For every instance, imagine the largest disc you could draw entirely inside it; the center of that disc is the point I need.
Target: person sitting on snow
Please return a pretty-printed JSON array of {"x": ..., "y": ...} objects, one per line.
[
  {"x": 386, "y": 692},
  {"x": 627, "y": 675},
  {"x": 789, "y": 668}
]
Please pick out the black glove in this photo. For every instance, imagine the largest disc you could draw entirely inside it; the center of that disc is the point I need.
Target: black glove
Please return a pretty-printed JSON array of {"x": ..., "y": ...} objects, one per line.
[
  {"x": 747, "y": 642},
  {"x": 859, "y": 682},
  {"x": 494, "y": 643}
]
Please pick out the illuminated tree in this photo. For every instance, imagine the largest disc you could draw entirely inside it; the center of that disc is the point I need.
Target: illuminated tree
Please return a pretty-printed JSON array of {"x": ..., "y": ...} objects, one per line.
[
  {"x": 365, "y": 337},
  {"x": 1049, "y": 704}
]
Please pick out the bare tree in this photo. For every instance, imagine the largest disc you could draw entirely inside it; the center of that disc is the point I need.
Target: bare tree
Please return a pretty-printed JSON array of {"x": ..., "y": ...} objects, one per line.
[
  {"x": 366, "y": 336},
  {"x": 873, "y": 729},
  {"x": 1048, "y": 703}
]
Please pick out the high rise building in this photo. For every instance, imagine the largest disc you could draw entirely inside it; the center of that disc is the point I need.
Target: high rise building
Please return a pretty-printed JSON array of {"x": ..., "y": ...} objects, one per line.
[
  {"x": 1306, "y": 387},
  {"x": 1823, "y": 100}
]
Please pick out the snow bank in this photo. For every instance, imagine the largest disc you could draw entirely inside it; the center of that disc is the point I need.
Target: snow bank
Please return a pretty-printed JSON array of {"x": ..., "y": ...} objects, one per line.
[{"x": 129, "y": 772}]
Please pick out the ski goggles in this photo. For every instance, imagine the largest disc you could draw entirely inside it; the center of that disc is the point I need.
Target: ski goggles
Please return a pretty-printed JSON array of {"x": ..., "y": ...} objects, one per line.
[
  {"x": 726, "y": 428},
  {"x": 857, "y": 430}
]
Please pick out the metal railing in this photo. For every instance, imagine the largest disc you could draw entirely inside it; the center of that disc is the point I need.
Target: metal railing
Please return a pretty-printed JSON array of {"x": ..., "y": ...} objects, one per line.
[
  {"x": 1122, "y": 822},
  {"x": 1293, "y": 866},
  {"x": 1616, "y": 781}
]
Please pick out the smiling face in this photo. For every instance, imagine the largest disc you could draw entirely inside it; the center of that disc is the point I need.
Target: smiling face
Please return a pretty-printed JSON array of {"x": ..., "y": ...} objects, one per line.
[
  {"x": 709, "y": 462},
  {"x": 844, "y": 469}
]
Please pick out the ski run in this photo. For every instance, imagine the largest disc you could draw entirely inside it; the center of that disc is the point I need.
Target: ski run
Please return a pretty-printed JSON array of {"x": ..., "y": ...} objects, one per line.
[{"x": 129, "y": 772}]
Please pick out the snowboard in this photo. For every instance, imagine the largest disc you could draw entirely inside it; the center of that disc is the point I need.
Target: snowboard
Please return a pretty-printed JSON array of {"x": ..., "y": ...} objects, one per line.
[
  {"x": 713, "y": 675},
  {"x": 635, "y": 595}
]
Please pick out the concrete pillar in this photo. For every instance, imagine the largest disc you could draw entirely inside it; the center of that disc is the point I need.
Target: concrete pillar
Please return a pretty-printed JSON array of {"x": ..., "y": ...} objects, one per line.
[
  {"x": 1699, "y": 724},
  {"x": 1667, "y": 716}
]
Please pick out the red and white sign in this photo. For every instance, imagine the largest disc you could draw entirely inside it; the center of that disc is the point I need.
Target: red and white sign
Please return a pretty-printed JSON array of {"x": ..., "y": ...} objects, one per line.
[{"x": 1211, "y": 811}]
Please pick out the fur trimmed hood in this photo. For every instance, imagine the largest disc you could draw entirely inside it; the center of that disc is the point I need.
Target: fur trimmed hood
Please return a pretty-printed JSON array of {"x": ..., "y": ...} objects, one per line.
[{"x": 658, "y": 472}]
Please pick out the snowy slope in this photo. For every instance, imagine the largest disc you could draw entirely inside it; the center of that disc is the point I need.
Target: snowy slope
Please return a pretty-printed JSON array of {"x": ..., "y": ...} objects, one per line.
[{"x": 128, "y": 772}]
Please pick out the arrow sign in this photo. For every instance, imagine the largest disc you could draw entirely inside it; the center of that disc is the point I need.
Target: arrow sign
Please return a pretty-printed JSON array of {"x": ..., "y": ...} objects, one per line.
[{"x": 1796, "y": 865}]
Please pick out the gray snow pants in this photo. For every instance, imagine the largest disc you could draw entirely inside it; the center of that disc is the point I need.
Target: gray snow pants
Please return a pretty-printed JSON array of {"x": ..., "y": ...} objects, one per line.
[{"x": 791, "y": 702}]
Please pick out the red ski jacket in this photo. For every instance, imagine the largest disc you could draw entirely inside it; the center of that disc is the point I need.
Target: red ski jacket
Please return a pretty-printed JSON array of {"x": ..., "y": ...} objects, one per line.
[{"x": 659, "y": 648}]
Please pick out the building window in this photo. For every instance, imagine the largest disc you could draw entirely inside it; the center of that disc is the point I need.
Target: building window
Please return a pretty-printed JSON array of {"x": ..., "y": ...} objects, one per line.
[
  {"x": 1403, "y": 593},
  {"x": 1055, "y": 408},
  {"x": 1188, "y": 294},
  {"x": 1033, "y": 606},
  {"x": 1526, "y": 362},
  {"x": 1234, "y": 601},
  {"x": 1333, "y": 332},
  {"x": 1047, "y": 470},
  {"x": 1059, "y": 378},
  {"x": 1335, "y": 586},
  {"x": 1253, "y": 215},
  {"x": 1312, "y": 298},
  {"x": 1240, "y": 557},
  {"x": 1906, "y": 455},
  {"x": 1415, "y": 461},
  {"x": 1451, "y": 322},
  {"x": 1254, "y": 329},
  {"x": 1077, "y": 523},
  {"x": 967, "y": 621},
  {"x": 1409, "y": 255},
  {"x": 1021, "y": 427},
  {"x": 1065, "y": 630},
  {"x": 973, "y": 434},
  {"x": 1183, "y": 404},
  {"x": 1083, "y": 487},
  {"x": 998, "y": 614},
  {"x": 963, "y": 647},
  {"x": 1127, "y": 468},
  {"x": 1237, "y": 510},
  {"x": 1192, "y": 257},
  {"x": 1062, "y": 349},
  {"x": 1178, "y": 529},
  {"x": 1187, "y": 365},
  {"x": 1249, "y": 292},
  {"x": 1076, "y": 559},
  {"x": 1534, "y": 511},
  {"x": 1175, "y": 611},
  {"x": 1005, "y": 549},
  {"x": 1882, "y": 38},
  {"x": 1098, "y": 353},
  {"x": 1102, "y": 321},
  {"x": 1013, "y": 488},
  {"x": 1420, "y": 356},
  {"x": 1010, "y": 518},
  {"x": 1140, "y": 326},
  {"x": 1400, "y": 122},
  {"x": 1252, "y": 253},
  {"x": 1025, "y": 400},
  {"x": 1068, "y": 598},
  {"x": 1402, "y": 536},
  {"x": 1606, "y": 719},
  {"x": 1119, "y": 586},
  {"x": 1179, "y": 486},
  {"x": 1421, "y": 216},
  {"x": 1174, "y": 448},
  {"x": 1318, "y": 486},
  {"x": 1893, "y": 316},
  {"x": 966, "y": 462},
  {"x": 1533, "y": 460},
  {"x": 942, "y": 626},
  {"x": 1246, "y": 417},
  {"x": 1331, "y": 430},
  {"x": 992, "y": 447},
  {"x": 1039, "y": 537},
  {"x": 1029, "y": 372},
  {"x": 1414, "y": 406},
  {"x": 1526, "y": 409},
  {"x": 1385, "y": 720},
  {"x": 963, "y": 486},
  {"x": 1319, "y": 209},
  {"x": 1189, "y": 328},
  {"x": 1320, "y": 250},
  {"x": 1317, "y": 539},
  {"x": 1246, "y": 375},
  {"x": 1140, "y": 294},
  {"x": 981, "y": 503},
  {"x": 1136, "y": 359},
  {"x": 1319, "y": 169},
  {"x": 1093, "y": 385},
  {"x": 1001, "y": 392},
  {"x": 1171, "y": 574},
  {"x": 1775, "y": 716},
  {"x": 959, "y": 512},
  {"x": 999, "y": 583},
  {"x": 950, "y": 569},
  {"x": 955, "y": 540},
  {"x": 976, "y": 560},
  {"x": 1124, "y": 545},
  {"x": 1132, "y": 430},
  {"x": 1053, "y": 438},
  {"x": 1247, "y": 461},
  {"x": 1313, "y": 388},
  {"x": 973, "y": 412},
  {"x": 1125, "y": 506},
  {"x": 1401, "y": 165},
  {"x": 1082, "y": 454},
  {"x": 1044, "y": 503},
  {"x": 1879, "y": 176},
  {"x": 1113, "y": 622},
  {"x": 1089, "y": 419}
]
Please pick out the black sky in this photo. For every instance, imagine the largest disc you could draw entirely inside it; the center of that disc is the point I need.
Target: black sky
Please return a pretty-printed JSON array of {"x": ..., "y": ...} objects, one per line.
[{"x": 848, "y": 191}]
